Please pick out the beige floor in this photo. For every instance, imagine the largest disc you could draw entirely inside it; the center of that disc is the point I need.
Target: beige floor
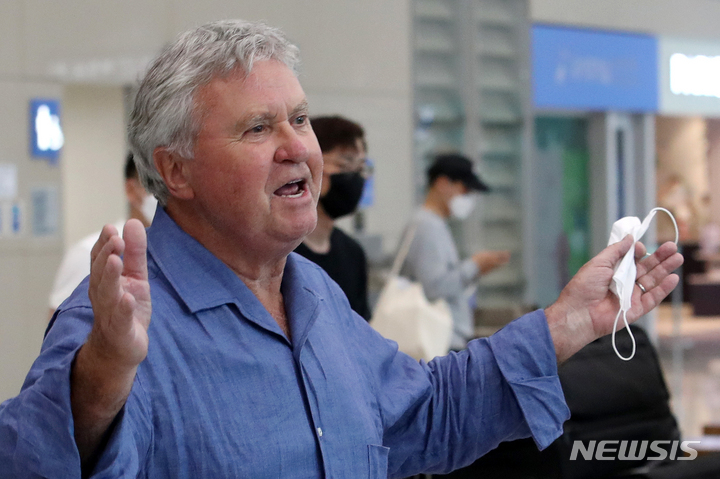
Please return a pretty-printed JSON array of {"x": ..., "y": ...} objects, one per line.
[{"x": 692, "y": 347}]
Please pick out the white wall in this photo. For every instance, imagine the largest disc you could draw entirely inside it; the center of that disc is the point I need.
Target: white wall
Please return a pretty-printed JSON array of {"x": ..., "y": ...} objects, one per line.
[{"x": 93, "y": 159}]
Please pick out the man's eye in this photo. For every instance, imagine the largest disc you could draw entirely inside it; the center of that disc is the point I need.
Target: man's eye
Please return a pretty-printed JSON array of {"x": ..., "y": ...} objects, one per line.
[
  {"x": 301, "y": 120},
  {"x": 257, "y": 129}
]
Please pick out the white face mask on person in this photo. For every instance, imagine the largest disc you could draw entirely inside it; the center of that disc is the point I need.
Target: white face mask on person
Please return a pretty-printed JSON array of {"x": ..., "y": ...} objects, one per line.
[
  {"x": 462, "y": 205},
  {"x": 148, "y": 207}
]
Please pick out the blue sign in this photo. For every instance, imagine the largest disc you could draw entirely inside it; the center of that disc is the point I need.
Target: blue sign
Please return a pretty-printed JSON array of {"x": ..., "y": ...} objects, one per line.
[
  {"x": 368, "y": 193},
  {"x": 594, "y": 70},
  {"x": 16, "y": 219},
  {"x": 46, "y": 136}
]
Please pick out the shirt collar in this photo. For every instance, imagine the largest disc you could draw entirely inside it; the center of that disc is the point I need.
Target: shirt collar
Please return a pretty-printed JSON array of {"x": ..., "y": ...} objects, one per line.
[
  {"x": 301, "y": 302},
  {"x": 203, "y": 281}
]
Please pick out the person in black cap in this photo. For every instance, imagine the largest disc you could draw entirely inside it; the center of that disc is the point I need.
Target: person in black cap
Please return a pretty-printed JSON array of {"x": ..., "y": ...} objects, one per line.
[{"x": 433, "y": 258}]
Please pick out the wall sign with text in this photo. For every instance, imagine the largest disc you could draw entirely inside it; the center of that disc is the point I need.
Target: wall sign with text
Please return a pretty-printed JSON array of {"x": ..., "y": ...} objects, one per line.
[
  {"x": 689, "y": 77},
  {"x": 46, "y": 136},
  {"x": 593, "y": 70}
]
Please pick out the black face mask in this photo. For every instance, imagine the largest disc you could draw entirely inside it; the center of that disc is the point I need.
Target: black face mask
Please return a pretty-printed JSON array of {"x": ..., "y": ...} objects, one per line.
[{"x": 344, "y": 194}]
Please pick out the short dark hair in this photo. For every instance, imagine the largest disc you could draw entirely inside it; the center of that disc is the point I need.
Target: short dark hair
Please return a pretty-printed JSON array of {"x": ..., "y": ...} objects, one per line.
[
  {"x": 130, "y": 168},
  {"x": 334, "y": 131}
]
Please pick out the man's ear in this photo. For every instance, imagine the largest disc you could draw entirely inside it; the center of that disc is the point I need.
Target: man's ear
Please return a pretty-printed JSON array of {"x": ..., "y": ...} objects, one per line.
[{"x": 175, "y": 172}]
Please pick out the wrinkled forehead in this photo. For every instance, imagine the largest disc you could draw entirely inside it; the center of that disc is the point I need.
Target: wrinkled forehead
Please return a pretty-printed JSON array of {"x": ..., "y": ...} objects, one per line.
[{"x": 270, "y": 84}]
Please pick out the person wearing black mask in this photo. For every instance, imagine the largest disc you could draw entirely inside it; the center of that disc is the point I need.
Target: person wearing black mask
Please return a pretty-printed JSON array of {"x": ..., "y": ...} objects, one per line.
[{"x": 343, "y": 147}]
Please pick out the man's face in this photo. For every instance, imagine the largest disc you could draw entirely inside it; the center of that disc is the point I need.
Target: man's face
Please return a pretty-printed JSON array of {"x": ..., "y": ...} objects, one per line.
[
  {"x": 257, "y": 165},
  {"x": 342, "y": 159}
]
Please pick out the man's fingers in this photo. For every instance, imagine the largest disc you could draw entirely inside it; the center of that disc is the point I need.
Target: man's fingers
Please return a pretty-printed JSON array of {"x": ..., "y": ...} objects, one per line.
[
  {"x": 615, "y": 252},
  {"x": 656, "y": 275},
  {"x": 654, "y": 296},
  {"x": 107, "y": 232},
  {"x": 113, "y": 245},
  {"x": 652, "y": 270},
  {"x": 665, "y": 251},
  {"x": 135, "y": 259},
  {"x": 640, "y": 251},
  {"x": 107, "y": 289}
]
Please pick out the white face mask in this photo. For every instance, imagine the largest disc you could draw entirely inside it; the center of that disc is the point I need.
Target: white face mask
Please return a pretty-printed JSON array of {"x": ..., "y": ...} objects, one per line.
[
  {"x": 148, "y": 207},
  {"x": 623, "y": 282},
  {"x": 462, "y": 205}
]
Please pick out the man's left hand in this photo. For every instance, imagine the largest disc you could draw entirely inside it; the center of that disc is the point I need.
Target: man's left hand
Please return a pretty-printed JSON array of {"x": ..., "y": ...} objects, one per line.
[{"x": 586, "y": 308}]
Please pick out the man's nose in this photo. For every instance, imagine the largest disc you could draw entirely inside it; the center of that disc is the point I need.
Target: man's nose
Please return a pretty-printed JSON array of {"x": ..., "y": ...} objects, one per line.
[{"x": 291, "y": 146}]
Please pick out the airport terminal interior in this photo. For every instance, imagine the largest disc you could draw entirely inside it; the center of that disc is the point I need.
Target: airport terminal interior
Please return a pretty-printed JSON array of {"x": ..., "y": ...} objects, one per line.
[{"x": 575, "y": 113}]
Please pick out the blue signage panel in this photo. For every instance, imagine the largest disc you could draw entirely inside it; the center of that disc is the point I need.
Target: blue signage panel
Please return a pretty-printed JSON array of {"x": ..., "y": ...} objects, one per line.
[
  {"x": 594, "y": 70},
  {"x": 46, "y": 136},
  {"x": 368, "y": 193}
]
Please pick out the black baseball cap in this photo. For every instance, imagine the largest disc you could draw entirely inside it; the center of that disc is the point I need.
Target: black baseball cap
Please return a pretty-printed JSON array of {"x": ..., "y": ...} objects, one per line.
[{"x": 457, "y": 168}]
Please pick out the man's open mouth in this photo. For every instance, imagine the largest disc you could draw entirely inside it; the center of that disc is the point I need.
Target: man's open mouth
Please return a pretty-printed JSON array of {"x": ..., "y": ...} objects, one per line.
[{"x": 292, "y": 189}]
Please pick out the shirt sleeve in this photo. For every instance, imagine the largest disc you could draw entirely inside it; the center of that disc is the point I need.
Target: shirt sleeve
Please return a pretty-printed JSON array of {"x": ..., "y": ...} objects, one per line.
[
  {"x": 36, "y": 427},
  {"x": 443, "y": 415},
  {"x": 439, "y": 280}
]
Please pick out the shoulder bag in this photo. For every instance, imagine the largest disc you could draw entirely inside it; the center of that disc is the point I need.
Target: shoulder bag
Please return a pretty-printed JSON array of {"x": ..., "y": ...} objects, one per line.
[{"x": 403, "y": 313}]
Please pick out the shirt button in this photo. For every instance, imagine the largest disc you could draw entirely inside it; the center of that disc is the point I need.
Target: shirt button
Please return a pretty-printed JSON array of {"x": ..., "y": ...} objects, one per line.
[{"x": 319, "y": 431}]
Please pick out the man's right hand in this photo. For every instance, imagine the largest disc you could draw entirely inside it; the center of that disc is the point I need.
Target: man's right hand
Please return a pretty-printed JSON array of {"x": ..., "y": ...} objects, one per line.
[
  {"x": 489, "y": 260},
  {"x": 120, "y": 296},
  {"x": 105, "y": 367}
]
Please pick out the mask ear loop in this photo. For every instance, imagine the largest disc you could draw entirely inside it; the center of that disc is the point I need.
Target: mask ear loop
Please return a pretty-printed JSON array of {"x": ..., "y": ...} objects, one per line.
[
  {"x": 677, "y": 231},
  {"x": 624, "y": 313},
  {"x": 627, "y": 326}
]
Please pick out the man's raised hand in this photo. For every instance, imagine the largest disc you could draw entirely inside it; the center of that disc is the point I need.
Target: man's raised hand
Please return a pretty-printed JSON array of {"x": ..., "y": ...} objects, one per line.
[
  {"x": 120, "y": 295},
  {"x": 586, "y": 308},
  {"x": 105, "y": 367}
]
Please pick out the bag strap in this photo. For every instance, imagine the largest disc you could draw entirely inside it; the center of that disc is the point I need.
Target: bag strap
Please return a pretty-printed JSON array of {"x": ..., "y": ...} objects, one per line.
[{"x": 404, "y": 249}]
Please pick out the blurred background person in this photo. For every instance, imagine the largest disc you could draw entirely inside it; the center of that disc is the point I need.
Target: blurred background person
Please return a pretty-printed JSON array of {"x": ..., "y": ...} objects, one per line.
[
  {"x": 344, "y": 172},
  {"x": 433, "y": 259},
  {"x": 75, "y": 265},
  {"x": 676, "y": 196}
]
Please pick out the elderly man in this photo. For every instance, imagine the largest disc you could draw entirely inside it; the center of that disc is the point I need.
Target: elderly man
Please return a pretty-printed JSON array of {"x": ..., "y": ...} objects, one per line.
[{"x": 211, "y": 351}]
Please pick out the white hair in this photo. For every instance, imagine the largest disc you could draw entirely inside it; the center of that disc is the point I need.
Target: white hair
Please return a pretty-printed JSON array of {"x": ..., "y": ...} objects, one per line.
[{"x": 164, "y": 112}]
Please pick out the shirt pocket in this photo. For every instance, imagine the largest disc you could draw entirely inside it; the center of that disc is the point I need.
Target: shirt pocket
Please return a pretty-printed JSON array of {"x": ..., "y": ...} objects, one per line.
[{"x": 377, "y": 461}]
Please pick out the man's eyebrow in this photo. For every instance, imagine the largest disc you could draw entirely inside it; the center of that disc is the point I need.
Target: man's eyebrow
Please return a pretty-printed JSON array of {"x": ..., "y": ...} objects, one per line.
[
  {"x": 245, "y": 122},
  {"x": 302, "y": 107}
]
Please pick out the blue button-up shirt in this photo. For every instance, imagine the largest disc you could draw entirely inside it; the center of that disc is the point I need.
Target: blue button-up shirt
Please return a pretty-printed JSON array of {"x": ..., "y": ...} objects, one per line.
[{"x": 224, "y": 393}]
